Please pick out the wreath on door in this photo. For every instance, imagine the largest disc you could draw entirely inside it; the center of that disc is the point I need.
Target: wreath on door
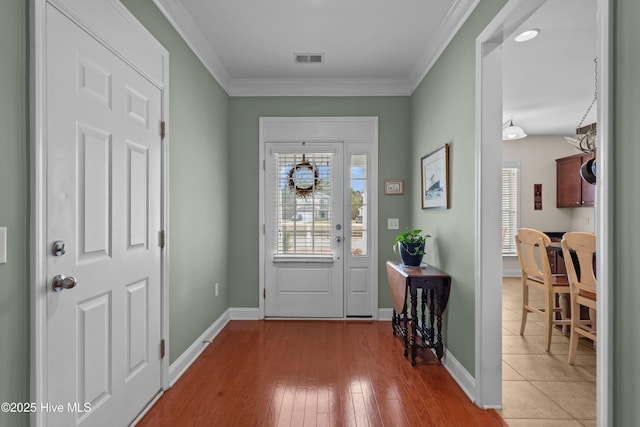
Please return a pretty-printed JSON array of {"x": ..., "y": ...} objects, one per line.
[{"x": 303, "y": 178}]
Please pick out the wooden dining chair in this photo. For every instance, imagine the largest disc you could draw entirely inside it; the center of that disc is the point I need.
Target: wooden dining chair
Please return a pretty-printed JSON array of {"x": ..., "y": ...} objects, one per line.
[
  {"x": 582, "y": 283},
  {"x": 536, "y": 273}
]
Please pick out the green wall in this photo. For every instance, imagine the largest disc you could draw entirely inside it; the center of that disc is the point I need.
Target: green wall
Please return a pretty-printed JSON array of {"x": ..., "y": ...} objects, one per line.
[
  {"x": 203, "y": 119},
  {"x": 626, "y": 286},
  {"x": 443, "y": 112},
  {"x": 14, "y": 206},
  {"x": 198, "y": 214},
  {"x": 198, "y": 133},
  {"x": 393, "y": 140}
]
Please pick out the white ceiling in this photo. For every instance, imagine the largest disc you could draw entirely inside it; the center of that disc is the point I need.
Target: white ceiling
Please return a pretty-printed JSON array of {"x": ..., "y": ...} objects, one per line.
[
  {"x": 383, "y": 47},
  {"x": 549, "y": 82},
  {"x": 370, "y": 47}
]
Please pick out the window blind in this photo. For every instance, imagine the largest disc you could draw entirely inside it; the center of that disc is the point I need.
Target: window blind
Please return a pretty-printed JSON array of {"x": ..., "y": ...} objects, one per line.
[
  {"x": 303, "y": 220},
  {"x": 510, "y": 204}
]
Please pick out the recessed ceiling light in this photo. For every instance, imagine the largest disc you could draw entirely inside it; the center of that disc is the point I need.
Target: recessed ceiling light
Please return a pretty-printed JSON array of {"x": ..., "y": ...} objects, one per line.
[{"x": 527, "y": 35}]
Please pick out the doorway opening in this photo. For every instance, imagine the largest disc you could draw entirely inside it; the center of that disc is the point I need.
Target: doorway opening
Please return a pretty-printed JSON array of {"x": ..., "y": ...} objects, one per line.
[{"x": 488, "y": 167}]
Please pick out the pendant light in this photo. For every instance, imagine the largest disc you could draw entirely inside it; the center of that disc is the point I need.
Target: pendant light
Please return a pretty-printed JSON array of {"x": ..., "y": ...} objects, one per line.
[{"x": 509, "y": 131}]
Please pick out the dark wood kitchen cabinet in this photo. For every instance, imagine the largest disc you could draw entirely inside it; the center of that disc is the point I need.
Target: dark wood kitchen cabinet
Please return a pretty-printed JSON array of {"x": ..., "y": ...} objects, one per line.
[
  {"x": 556, "y": 261},
  {"x": 572, "y": 191}
]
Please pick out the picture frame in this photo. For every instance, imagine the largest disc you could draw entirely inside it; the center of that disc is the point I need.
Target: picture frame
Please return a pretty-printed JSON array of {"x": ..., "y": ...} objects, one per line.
[
  {"x": 434, "y": 174},
  {"x": 394, "y": 186}
]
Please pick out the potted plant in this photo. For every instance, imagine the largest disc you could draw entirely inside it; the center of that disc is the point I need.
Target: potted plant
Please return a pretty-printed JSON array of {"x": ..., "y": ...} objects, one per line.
[{"x": 410, "y": 245}]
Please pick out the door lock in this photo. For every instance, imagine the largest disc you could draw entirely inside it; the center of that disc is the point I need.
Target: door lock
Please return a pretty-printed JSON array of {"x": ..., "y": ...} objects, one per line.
[{"x": 59, "y": 248}]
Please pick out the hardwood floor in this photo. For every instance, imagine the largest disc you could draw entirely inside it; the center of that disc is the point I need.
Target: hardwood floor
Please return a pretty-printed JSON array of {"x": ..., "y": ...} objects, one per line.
[{"x": 314, "y": 373}]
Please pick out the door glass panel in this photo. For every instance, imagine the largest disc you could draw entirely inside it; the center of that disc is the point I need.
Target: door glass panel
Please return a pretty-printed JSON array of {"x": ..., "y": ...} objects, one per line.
[
  {"x": 359, "y": 217},
  {"x": 303, "y": 203}
]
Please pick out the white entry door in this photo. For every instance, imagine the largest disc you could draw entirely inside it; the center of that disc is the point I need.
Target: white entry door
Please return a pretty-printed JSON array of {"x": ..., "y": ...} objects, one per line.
[
  {"x": 103, "y": 162},
  {"x": 304, "y": 230}
]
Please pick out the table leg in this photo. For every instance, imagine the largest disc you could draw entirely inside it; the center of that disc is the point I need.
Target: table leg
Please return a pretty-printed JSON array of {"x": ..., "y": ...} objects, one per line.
[
  {"x": 439, "y": 345},
  {"x": 432, "y": 334},
  {"x": 422, "y": 308},
  {"x": 406, "y": 344},
  {"x": 405, "y": 331},
  {"x": 394, "y": 322},
  {"x": 413, "y": 321}
]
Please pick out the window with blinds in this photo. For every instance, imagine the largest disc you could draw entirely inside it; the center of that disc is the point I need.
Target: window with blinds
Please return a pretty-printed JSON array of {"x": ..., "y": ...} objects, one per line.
[
  {"x": 510, "y": 207},
  {"x": 303, "y": 203}
]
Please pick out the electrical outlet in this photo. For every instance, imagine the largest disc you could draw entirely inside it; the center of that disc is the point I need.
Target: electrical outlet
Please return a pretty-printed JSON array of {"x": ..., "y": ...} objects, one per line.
[
  {"x": 217, "y": 289},
  {"x": 393, "y": 223}
]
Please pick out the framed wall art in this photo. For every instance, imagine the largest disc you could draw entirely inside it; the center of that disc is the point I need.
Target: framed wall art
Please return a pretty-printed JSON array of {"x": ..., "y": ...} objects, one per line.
[
  {"x": 434, "y": 172},
  {"x": 394, "y": 186}
]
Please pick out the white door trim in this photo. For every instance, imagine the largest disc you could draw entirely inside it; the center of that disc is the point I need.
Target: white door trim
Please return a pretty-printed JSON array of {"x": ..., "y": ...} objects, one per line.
[
  {"x": 347, "y": 129},
  {"x": 488, "y": 118},
  {"x": 139, "y": 49}
]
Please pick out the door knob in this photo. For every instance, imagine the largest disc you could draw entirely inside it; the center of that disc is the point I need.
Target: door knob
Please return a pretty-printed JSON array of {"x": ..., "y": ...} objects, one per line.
[
  {"x": 62, "y": 282},
  {"x": 339, "y": 239}
]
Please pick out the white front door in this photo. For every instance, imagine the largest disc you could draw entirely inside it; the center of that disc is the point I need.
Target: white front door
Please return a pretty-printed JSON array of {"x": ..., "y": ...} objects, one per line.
[
  {"x": 304, "y": 230},
  {"x": 103, "y": 190}
]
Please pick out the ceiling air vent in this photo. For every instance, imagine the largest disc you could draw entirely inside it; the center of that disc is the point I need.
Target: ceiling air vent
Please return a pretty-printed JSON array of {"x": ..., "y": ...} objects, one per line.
[{"x": 309, "y": 58}]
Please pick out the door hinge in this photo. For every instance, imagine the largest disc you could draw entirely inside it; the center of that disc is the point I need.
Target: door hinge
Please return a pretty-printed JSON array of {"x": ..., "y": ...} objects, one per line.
[
  {"x": 162, "y": 127},
  {"x": 264, "y": 293},
  {"x": 163, "y": 239},
  {"x": 162, "y": 348},
  {"x": 264, "y": 165},
  {"x": 264, "y": 229}
]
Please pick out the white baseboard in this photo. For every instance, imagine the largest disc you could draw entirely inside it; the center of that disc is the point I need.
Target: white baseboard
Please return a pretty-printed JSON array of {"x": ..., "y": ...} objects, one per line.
[
  {"x": 460, "y": 375},
  {"x": 385, "y": 313},
  {"x": 244, "y": 313},
  {"x": 511, "y": 273},
  {"x": 250, "y": 313},
  {"x": 185, "y": 360}
]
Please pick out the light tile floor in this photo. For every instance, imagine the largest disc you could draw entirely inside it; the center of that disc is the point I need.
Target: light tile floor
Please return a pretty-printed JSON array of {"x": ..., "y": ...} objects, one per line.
[{"x": 541, "y": 389}]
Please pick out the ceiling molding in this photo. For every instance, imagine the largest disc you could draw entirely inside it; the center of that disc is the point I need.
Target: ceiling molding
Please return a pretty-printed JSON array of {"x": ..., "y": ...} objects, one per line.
[
  {"x": 188, "y": 30},
  {"x": 320, "y": 87},
  {"x": 457, "y": 16}
]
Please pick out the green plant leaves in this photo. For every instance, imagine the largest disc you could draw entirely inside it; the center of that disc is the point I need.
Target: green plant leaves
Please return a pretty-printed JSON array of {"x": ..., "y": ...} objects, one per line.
[{"x": 411, "y": 236}]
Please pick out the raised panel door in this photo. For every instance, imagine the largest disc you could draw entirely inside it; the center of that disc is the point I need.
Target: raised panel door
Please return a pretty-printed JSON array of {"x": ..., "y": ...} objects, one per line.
[
  {"x": 305, "y": 230},
  {"x": 103, "y": 201}
]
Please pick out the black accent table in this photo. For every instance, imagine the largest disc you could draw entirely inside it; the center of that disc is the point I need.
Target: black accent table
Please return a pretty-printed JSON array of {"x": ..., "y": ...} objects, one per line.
[{"x": 435, "y": 287}]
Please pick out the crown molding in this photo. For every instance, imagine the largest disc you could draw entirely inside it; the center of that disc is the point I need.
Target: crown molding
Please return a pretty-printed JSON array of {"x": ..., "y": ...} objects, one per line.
[
  {"x": 320, "y": 87},
  {"x": 188, "y": 30},
  {"x": 455, "y": 19}
]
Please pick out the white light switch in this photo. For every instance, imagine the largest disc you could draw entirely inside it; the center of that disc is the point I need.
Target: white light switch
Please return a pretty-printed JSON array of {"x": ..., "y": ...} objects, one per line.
[
  {"x": 393, "y": 223},
  {"x": 3, "y": 245}
]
